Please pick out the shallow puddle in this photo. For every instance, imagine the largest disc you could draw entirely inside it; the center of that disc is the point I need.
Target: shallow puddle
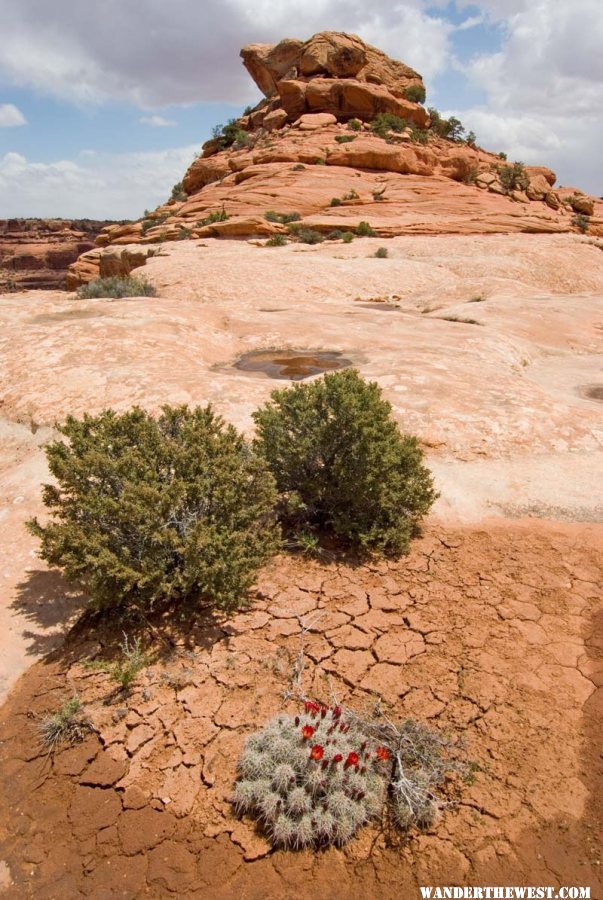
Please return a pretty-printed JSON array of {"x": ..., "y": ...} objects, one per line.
[
  {"x": 294, "y": 365},
  {"x": 592, "y": 391}
]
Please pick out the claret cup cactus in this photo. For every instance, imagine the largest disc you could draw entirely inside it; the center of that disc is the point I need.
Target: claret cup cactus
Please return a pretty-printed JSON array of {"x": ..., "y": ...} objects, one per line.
[{"x": 312, "y": 779}]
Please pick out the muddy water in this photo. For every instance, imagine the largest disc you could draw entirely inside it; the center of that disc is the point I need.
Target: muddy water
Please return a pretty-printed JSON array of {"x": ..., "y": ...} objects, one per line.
[{"x": 294, "y": 365}]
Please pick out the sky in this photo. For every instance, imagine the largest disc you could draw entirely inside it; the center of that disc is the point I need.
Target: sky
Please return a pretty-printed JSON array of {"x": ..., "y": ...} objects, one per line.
[{"x": 103, "y": 105}]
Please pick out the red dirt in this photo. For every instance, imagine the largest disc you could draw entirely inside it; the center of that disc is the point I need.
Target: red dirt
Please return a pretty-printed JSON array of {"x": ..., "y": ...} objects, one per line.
[{"x": 490, "y": 633}]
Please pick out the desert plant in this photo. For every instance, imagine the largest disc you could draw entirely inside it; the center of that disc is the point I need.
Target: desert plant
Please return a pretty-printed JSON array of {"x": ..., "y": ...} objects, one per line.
[
  {"x": 116, "y": 287},
  {"x": 351, "y": 195},
  {"x": 178, "y": 192},
  {"x": 315, "y": 778},
  {"x": 347, "y": 237},
  {"x": 281, "y": 218},
  {"x": 470, "y": 176},
  {"x": 513, "y": 177},
  {"x": 312, "y": 779},
  {"x": 336, "y": 201},
  {"x": 230, "y": 134},
  {"x": 183, "y": 233},
  {"x": 67, "y": 725},
  {"x": 320, "y": 161},
  {"x": 355, "y": 124},
  {"x": 363, "y": 229},
  {"x": 502, "y": 155},
  {"x": 307, "y": 235},
  {"x": 152, "y": 220},
  {"x": 386, "y": 122},
  {"x": 216, "y": 215},
  {"x": 379, "y": 195},
  {"x": 298, "y": 167},
  {"x": 335, "y": 235},
  {"x": 345, "y": 138},
  {"x": 581, "y": 222},
  {"x": 277, "y": 240},
  {"x": 340, "y": 462},
  {"x": 471, "y": 138},
  {"x": 451, "y": 129},
  {"x": 148, "y": 509},
  {"x": 381, "y": 253},
  {"x": 132, "y": 660},
  {"x": 415, "y": 93}
]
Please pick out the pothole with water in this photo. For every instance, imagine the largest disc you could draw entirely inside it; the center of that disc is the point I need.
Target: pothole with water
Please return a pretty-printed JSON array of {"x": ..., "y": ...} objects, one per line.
[{"x": 292, "y": 365}]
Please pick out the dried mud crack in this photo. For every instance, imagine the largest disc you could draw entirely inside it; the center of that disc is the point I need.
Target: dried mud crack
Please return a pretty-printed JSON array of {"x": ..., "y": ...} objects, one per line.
[{"x": 492, "y": 634}]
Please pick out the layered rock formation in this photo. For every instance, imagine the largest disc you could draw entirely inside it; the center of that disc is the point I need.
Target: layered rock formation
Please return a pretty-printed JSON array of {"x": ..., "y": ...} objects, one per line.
[
  {"x": 323, "y": 144},
  {"x": 35, "y": 253}
]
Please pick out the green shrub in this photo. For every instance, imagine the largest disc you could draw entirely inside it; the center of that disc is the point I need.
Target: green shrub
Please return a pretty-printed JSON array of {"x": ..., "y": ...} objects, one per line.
[
  {"x": 470, "y": 176},
  {"x": 320, "y": 161},
  {"x": 117, "y": 286},
  {"x": 309, "y": 236},
  {"x": 381, "y": 253},
  {"x": 502, "y": 155},
  {"x": 355, "y": 125},
  {"x": 68, "y": 724},
  {"x": 183, "y": 233},
  {"x": 471, "y": 138},
  {"x": 415, "y": 93},
  {"x": 335, "y": 235},
  {"x": 336, "y": 201},
  {"x": 178, "y": 192},
  {"x": 363, "y": 229},
  {"x": 345, "y": 138},
  {"x": 298, "y": 167},
  {"x": 451, "y": 129},
  {"x": 386, "y": 122},
  {"x": 347, "y": 237},
  {"x": 148, "y": 509},
  {"x": 132, "y": 661},
  {"x": 341, "y": 463},
  {"x": 513, "y": 177},
  {"x": 152, "y": 221},
  {"x": 216, "y": 215},
  {"x": 282, "y": 218},
  {"x": 277, "y": 240},
  {"x": 230, "y": 135},
  {"x": 581, "y": 222}
]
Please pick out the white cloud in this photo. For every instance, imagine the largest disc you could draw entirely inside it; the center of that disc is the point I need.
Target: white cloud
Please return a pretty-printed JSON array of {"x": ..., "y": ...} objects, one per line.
[
  {"x": 157, "y": 121},
  {"x": 544, "y": 87},
  {"x": 10, "y": 116},
  {"x": 100, "y": 186}
]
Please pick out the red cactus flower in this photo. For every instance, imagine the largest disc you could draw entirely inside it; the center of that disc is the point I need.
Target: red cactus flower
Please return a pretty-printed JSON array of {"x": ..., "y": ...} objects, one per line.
[
  {"x": 323, "y": 711},
  {"x": 337, "y": 758},
  {"x": 325, "y": 763},
  {"x": 307, "y": 732},
  {"x": 352, "y": 760},
  {"x": 311, "y": 707},
  {"x": 383, "y": 754},
  {"x": 317, "y": 752},
  {"x": 296, "y": 721},
  {"x": 336, "y": 712}
]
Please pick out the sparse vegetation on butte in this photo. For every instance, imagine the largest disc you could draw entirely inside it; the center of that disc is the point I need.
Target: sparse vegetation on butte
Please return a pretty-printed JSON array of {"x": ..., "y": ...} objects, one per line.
[{"x": 343, "y": 639}]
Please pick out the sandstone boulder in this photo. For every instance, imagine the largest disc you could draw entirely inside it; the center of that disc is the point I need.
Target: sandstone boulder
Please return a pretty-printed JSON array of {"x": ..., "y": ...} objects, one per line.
[
  {"x": 546, "y": 173},
  {"x": 275, "y": 119},
  {"x": 312, "y": 121},
  {"x": 330, "y": 54},
  {"x": 580, "y": 203},
  {"x": 204, "y": 171},
  {"x": 538, "y": 187}
]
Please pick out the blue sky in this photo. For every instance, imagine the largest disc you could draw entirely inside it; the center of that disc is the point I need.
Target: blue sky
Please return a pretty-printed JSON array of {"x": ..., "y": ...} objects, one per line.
[{"x": 103, "y": 107}]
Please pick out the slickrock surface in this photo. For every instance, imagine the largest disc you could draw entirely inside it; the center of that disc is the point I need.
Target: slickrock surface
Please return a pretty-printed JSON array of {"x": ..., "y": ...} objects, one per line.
[
  {"x": 35, "y": 253},
  {"x": 501, "y": 401},
  {"x": 491, "y": 634}
]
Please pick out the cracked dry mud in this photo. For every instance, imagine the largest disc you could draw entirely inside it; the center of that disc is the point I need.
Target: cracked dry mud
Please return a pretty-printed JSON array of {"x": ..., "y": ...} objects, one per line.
[{"x": 488, "y": 632}]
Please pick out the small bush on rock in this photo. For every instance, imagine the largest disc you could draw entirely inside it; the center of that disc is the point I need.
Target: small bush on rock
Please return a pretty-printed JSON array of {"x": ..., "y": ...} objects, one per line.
[
  {"x": 355, "y": 125},
  {"x": 341, "y": 463},
  {"x": 147, "y": 509},
  {"x": 347, "y": 237},
  {"x": 513, "y": 177},
  {"x": 277, "y": 240},
  {"x": 116, "y": 287},
  {"x": 68, "y": 724},
  {"x": 581, "y": 222},
  {"x": 381, "y": 253},
  {"x": 363, "y": 229},
  {"x": 415, "y": 93}
]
